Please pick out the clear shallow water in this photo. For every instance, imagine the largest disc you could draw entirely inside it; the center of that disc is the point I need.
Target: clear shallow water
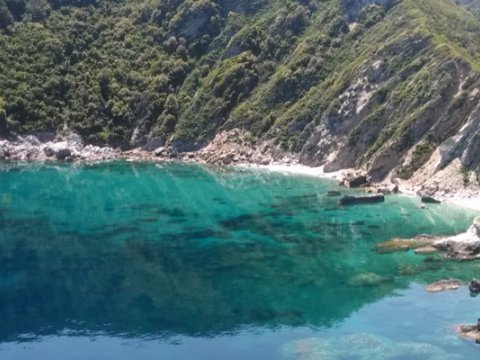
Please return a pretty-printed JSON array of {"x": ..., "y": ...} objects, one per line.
[{"x": 128, "y": 261}]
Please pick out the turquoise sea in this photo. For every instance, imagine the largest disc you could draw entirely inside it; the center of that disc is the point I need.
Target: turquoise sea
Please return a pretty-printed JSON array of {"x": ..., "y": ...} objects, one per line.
[{"x": 122, "y": 260}]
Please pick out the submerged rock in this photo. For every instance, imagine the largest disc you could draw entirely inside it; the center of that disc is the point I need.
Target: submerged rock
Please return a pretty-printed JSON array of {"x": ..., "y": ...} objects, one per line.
[
  {"x": 418, "y": 242},
  {"x": 443, "y": 285},
  {"x": 367, "y": 279},
  {"x": 354, "y": 200},
  {"x": 471, "y": 332},
  {"x": 333, "y": 193},
  {"x": 361, "y": 347},
  {"x": 425, "y": 250}
]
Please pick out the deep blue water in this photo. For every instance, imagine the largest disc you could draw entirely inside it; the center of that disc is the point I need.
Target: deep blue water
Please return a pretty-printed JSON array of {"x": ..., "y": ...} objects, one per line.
[{"x": 142, "y": 261}]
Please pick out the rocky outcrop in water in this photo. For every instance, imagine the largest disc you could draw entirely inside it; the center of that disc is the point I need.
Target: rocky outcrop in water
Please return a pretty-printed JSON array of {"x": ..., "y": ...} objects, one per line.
[
  {"x": 465, "y": 246},
  {"x": 474, "y": 287},
  {"x": 418, "y": 242},
  {"x": 470, "y": 332},
  {"x": 461, "y": 247},
  {"x": 443, "y": 285}
]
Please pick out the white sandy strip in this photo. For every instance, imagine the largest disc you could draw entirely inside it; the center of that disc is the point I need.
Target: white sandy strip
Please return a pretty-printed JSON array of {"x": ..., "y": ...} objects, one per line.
[
  {"x": 472, "y": 203},
  {"x": 465, "y": 200},
  {"x": 297, "y": 169}
]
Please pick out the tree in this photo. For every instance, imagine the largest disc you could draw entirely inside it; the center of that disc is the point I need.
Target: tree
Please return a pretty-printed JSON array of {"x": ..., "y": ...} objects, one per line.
[
  {"x": 3, "y": 117},
  {"x": 6, "y": 17},
  {"x": 104, "y": 79},
  {"x": 37, "y": 10},
  {"x": 17, "y": 8}
]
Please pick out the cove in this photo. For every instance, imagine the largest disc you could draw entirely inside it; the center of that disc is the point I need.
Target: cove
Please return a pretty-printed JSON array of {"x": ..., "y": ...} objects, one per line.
[{"x": 122, "y": 260}]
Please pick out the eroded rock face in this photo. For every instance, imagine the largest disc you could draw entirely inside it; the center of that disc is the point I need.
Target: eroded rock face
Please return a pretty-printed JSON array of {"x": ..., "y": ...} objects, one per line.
[{"x": 465, "y": 246}]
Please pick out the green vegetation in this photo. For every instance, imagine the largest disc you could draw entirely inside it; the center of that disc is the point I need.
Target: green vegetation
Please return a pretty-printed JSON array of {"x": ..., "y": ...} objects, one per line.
[
  {"x": 124, "y": 71},
  {"x": 466, "y": 175}
]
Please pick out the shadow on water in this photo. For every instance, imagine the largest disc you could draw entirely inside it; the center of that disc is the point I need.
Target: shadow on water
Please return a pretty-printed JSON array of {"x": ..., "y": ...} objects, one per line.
[{"x": 139, "y": 250}]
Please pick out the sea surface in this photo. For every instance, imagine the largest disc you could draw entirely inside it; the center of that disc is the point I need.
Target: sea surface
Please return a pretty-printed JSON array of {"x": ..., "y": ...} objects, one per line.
[{"x": 132, "y": 261}]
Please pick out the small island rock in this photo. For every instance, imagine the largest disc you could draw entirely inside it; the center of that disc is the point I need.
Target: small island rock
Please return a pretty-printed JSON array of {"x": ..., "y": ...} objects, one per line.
[{"x": 443, "y": 285}]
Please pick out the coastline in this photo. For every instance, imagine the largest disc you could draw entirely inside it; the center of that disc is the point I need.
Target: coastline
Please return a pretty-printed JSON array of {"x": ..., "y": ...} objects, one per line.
[
  {"x": 222, "y": 153},
  {"x": 463, "y": 199}
]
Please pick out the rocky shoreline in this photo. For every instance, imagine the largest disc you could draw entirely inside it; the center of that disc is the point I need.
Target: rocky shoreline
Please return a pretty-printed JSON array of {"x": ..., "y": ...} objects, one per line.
[
  {"x": 70, "y": 147},
  {"x": 232, "y": 148}
]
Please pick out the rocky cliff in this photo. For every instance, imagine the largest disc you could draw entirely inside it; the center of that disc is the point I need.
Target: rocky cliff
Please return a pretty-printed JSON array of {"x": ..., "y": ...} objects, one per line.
[{"x": 390, "y": 86}]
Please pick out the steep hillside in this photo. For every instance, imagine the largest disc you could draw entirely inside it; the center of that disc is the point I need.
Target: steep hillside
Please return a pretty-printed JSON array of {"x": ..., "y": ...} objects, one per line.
[{"x": 382, "y": 85}]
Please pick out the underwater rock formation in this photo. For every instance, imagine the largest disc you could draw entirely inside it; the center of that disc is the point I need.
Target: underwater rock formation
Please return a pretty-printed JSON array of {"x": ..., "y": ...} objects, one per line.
[{"x": 361, "y": 347}]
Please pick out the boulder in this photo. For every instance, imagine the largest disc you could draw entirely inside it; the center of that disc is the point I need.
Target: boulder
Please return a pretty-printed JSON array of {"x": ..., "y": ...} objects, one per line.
[
  {"x": 357, "y": 181},
  {"x": 227, "y": 159},
  {"x": 474, "y": 287},
  {"x": 443, "y": 285},
  {"x": 59, "y": 151},
  {"x": 48, "y": 151},
  {"x": 63, "y": 154},
  {"x": 428, "y": 190}
]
